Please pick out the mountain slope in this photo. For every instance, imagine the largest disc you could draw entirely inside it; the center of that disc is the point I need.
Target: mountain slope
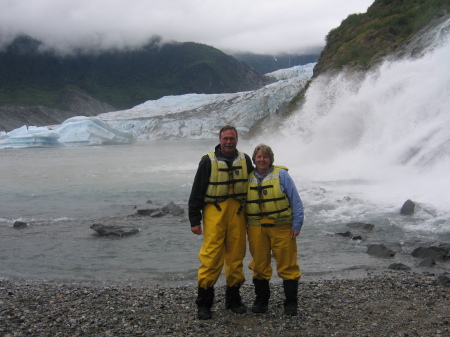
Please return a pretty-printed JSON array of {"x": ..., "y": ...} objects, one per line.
[
  {"x": 366, "y": 38},
  {"x": 121, "y": 79},
  {"x": 43, "y": 88}
]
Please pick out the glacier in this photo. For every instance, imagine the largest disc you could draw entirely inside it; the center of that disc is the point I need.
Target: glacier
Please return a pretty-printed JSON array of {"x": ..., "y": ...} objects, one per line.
[
  {"x": 200, "y": 116},
  {"x": 190, "y": 116},
  {"x": 74, "y": 131}
]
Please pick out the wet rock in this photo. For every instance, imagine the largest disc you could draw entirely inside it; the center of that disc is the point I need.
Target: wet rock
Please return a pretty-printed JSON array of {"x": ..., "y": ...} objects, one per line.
[
  {"x": 149, "y": 211},
  {"x": 399, "y": 266},
  {"x": 361, "y": 225},
  {"x": 115, "y": 230},
  {"x": 173, "y": 209},
  {"x": 157, "y": 213},
  {"x": 347, "y": 234},
  {"x": 427, "y": 263},
  {"x": 438, "y": 253},
  {"x": 20, "y": 225},
  {"x": 443, "y": 279},
  {"x": 380, "y": 250},
  {"x": 408, "y": 208}
]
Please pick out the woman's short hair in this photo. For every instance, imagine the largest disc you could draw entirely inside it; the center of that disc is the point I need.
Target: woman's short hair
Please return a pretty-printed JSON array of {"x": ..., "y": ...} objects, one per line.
[{"x": 264, "y": 149}]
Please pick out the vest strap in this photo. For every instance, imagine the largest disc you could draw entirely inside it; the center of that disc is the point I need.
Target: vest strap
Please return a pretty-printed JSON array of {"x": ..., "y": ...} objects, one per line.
[
  {"x": 267, "y": 213},
  {"x": 261, "y": 201}
]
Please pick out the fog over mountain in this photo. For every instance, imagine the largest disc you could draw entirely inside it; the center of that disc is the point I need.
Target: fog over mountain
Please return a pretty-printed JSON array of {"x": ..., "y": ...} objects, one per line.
[{"x": 262, "y": 27}]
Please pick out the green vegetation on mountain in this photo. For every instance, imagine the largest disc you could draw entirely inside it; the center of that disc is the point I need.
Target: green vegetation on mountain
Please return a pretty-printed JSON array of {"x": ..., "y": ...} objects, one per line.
[
  {"x": 121, "y": 79},
  {"x": 364, "y": 38}
]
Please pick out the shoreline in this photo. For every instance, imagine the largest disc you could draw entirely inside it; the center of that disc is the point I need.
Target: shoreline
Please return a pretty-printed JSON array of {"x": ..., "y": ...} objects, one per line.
[{"x": 393, "y": 303}]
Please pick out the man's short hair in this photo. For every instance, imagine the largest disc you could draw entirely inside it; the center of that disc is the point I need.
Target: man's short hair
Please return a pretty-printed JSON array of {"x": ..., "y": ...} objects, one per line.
[{"x": 228, "y": 127}]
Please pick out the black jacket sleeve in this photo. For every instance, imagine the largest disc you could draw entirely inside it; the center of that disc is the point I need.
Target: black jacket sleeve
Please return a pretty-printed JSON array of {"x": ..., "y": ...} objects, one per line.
[{"x": 196, "y": 199}]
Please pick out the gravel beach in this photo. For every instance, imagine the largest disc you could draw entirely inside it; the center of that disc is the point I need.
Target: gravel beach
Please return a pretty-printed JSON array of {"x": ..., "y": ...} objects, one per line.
[{"x": 388, "y": 304}]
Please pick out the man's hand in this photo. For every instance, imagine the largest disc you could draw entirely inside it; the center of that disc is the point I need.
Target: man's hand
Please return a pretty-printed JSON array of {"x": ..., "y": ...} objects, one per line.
[{"x": 197, "y": 229}]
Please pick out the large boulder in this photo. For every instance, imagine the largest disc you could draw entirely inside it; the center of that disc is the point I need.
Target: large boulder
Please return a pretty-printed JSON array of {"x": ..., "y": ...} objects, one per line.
[{"x": 408, "y": 208}]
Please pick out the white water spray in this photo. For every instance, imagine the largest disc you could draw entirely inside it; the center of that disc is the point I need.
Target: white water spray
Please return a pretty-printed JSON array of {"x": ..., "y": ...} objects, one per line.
[{"x": 386, "y": 134}]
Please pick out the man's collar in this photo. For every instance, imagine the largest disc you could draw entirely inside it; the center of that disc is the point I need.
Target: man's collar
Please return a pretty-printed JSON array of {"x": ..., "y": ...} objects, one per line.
[{"x": 219, "y": 153}]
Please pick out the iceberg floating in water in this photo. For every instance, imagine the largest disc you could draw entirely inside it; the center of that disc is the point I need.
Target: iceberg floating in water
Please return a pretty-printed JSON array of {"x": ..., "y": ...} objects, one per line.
[
  {"x": 30, "y": 137},
  {"x": 91, "y": 131},
  {"x": 75, "y": 131}
]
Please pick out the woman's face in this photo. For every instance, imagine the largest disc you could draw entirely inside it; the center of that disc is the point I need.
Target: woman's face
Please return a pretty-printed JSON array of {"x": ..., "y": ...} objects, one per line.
[{"x": 262, "y": 162}]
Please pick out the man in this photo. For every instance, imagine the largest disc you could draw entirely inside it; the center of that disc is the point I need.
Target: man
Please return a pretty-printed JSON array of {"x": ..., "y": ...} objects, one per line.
[{"x": 218, "y": 197}]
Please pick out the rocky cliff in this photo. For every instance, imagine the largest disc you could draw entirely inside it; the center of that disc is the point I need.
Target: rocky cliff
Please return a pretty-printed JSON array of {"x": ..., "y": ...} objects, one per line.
[{"x": 74, "y": 102}]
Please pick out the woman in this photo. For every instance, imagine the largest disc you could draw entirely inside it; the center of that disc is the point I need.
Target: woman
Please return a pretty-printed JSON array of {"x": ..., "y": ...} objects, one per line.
[{"x": 274, "y": 217}]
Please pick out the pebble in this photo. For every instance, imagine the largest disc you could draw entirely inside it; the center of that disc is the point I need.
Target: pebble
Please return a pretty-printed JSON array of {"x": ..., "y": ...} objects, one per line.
[{"x": 390, "y": 304}]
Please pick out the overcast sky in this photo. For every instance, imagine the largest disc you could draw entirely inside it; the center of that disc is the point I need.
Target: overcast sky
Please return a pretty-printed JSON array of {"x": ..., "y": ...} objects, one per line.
[{"x": 259, "y": 26}]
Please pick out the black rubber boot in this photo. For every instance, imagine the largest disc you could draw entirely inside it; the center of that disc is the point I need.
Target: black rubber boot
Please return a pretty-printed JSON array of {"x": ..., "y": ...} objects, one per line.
[
  {"x": 204, "y": 302},
  {"x": 290, "y": 291},
  {"x": 262, "y": 292},
  {"x": 233, "y": 300}
]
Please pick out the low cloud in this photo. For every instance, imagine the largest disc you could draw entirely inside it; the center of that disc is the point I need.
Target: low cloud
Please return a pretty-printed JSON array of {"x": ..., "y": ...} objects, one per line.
[{"x": 259, "y": 26}]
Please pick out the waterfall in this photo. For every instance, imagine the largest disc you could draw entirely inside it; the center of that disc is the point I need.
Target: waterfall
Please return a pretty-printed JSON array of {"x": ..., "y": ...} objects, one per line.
[{"x": 388, "y": 128}]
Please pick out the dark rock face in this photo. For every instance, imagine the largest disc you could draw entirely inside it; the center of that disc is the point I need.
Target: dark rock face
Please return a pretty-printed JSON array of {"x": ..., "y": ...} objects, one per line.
[
  {"x": 14, "y": 117},
  {"x": 114, "y": 230},
  {"x": 77, "y": 101},
  {"x": 380, "y": 251},
  {"x": 408, "y": 208}
]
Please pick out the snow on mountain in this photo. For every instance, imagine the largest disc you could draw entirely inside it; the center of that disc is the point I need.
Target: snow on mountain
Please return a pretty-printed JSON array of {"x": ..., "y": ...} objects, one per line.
[{"x": 191, "y": 116}]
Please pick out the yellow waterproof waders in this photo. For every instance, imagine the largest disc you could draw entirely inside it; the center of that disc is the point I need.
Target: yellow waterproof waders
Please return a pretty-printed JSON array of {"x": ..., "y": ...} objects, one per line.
[
  {"x": 277, "y": 239},
  {"x": 224, "y": 240}
]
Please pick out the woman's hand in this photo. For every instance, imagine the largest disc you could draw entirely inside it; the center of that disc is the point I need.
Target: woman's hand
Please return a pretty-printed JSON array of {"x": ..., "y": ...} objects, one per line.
[{"x": 294, "y": 234}]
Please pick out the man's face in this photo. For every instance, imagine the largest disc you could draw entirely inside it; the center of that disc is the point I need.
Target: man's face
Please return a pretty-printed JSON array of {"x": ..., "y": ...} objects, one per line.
[{"x": 228, "y": 142}]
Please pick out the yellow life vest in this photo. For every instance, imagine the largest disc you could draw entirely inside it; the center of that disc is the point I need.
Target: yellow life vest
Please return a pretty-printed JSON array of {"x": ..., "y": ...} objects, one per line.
[
  {"x": 227, "y": 182},
  {"x": 266, "y": 204}
]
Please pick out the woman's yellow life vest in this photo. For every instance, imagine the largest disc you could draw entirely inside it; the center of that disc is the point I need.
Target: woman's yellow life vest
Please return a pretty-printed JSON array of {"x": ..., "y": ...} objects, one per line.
[
  {"x": 266, "y": 203},
  {"x": 227, "y": 182}
]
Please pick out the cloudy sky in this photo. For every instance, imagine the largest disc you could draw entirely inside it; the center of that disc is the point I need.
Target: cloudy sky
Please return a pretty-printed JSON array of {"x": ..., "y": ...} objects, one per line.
[{"x": 259, "y": 26}]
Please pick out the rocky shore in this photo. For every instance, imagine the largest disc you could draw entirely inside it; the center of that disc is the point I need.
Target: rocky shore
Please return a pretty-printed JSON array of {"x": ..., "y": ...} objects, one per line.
[{"x": 390, "y": 304}]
